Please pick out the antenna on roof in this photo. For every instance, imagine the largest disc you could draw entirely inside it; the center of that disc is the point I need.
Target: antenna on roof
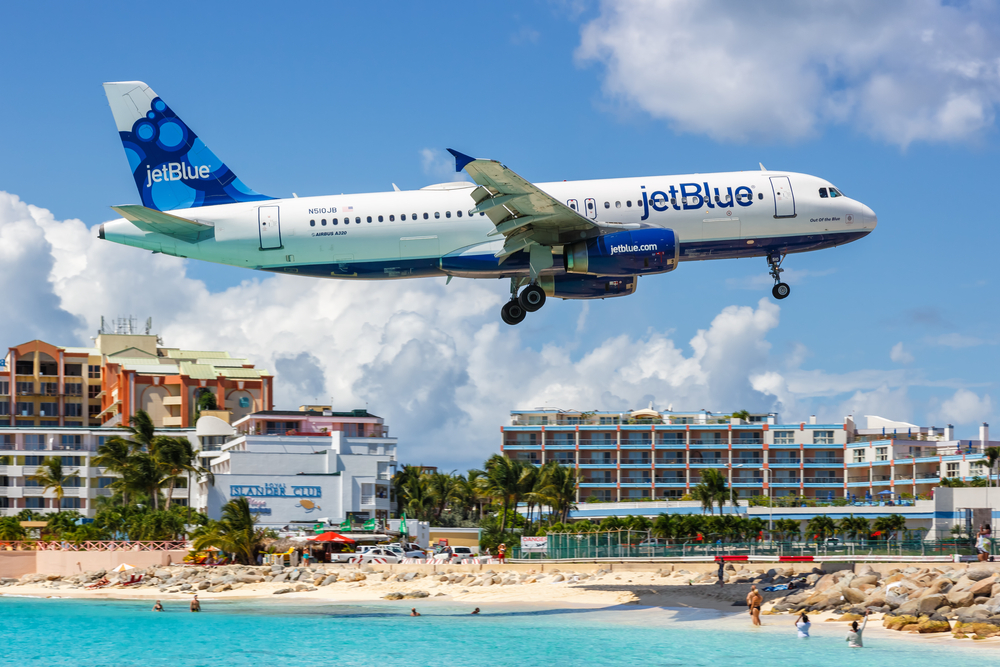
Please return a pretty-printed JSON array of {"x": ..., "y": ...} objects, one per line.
[{"x": 149, "y": 325}]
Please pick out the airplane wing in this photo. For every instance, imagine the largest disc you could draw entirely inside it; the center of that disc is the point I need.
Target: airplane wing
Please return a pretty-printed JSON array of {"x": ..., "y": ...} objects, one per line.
[
  {"x": 524, "y": 214},
  {"x": 151, "y": 220}
]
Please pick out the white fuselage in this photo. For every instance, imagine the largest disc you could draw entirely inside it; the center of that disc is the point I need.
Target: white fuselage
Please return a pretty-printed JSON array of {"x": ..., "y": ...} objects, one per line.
[{"x": 428, "y": 232}]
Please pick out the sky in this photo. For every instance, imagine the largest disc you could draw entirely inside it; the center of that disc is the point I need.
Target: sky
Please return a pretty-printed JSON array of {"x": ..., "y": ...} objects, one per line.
[{"x": 893, "y": 102}]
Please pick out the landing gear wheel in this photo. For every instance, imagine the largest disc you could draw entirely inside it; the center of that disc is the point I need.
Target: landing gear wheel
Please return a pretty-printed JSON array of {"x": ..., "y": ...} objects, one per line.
[
  {"x": 532, "y": 298},
  {"x": 781, "y": 290},
  {"x": 512, "y": 312}
]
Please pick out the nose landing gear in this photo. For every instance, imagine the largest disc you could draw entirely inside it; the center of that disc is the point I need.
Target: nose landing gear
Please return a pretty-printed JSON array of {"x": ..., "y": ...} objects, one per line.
[
  {"x": 780, "y": 289},
  {"x": 531, "y": 299}
]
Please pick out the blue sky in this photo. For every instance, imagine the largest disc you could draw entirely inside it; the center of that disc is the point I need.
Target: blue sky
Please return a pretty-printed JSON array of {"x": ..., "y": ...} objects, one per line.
[{"x": 896, "y": 108}]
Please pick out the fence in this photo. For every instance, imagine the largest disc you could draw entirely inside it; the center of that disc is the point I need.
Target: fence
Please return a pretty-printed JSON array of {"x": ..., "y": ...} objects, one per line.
[
  {"x": 637, "y": 544},
  {"x": 121, "y": 545}
]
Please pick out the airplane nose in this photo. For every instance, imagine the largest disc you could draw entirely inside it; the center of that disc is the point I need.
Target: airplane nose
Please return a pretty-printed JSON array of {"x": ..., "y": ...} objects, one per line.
[{"x": 869, "y": 217}]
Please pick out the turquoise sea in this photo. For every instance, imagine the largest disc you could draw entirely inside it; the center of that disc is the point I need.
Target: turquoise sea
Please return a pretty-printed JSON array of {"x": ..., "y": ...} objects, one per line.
[{"x": 233, "y": 634}]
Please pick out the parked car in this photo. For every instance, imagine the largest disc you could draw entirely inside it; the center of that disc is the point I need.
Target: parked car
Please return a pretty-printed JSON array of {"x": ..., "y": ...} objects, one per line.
[
  {"x": 404, "y": 550},
  {"x": 382, "y": 553}
]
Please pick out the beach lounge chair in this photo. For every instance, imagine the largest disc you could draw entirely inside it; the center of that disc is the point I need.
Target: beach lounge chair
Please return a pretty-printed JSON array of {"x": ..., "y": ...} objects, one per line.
[{"x": 134, "y": 580}]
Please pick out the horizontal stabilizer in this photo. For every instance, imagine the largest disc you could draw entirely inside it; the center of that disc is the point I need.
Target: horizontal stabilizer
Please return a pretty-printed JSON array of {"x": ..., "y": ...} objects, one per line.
[{"x": 151, "y": 220}]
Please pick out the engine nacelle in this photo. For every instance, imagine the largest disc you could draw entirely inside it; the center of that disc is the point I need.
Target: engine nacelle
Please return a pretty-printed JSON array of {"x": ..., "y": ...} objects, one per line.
[
  {"x": 625, "y": 253},
  {"x": 586, "y": 287}
]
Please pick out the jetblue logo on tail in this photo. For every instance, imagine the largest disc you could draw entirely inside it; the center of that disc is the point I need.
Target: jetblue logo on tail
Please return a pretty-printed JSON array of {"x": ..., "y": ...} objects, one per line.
[{"x": 176, "y": 171}]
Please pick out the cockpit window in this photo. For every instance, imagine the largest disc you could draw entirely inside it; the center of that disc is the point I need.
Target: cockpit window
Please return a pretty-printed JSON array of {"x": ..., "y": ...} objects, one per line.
[
  {"x": 834, "y": 192},
  {"x": 822, "y": 193}
]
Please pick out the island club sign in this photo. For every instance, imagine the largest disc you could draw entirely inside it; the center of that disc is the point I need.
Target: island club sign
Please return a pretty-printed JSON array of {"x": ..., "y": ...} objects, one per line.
[{"x": 270, "y": 490}]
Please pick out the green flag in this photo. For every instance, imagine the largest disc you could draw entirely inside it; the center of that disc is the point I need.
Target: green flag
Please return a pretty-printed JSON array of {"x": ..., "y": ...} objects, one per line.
[{"x": 402, "y": 525}]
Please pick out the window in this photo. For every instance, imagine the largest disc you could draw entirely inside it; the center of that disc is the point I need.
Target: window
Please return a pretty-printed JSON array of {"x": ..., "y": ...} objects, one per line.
[
  {"x": 312, "y": 223},
  {"x": 357, "y": 220},
  {"x": 5, "y": 408},
  {"x": 380, "y": 218},
  {"x": 447, "y": 214},
  {"x": 618, "y": 204},
  {"x": 33, "y": 460},
  {"x": 93, "y": 410},
  {"x": 607, "y": 204},
  {"x": 784, "y": 437},
  {"x": 34, "y": 503},
  {"x": 952, "y": 469},
  {"x": 403, "y": 217},
  {"x": 822, "y": 437},
  {"x": 881, "y": 453},
  {"x": 93, "y": 390},
  {"x": 834, "y": 192},
  {"x": 74, "y": 370},
  {"x": 244, "y": 401},
  {"x": 25, "y": 409},
  {"x": 437, "y": 215},
  {"x": 425, "y": 216},
  {"x": 608, "y": 420},
  {"x": 25, "y": 388},
  {"x": 858, "y": 456},
  {"x": 105, "y": 482},
  {"x": 50, "y": 388},
  {"x": 48, "y": 410},
  {"x": 822, "y": 193},
  {"x": 4, "y": 388},
  {"x": 458, "y": 213},
  {"x": 74, "y": 389},
  {"x": 392, "y": 218},
  {"x": 74, "y": 409},
  {"x": 71, "y": 503},
  {"x": 628, "y": 203},
  {"x": 94, "y": 372},
  {"x": 760, "y": 195},
  {"x": 71, "y": 442},
  {"x": 369, "y": 218}
]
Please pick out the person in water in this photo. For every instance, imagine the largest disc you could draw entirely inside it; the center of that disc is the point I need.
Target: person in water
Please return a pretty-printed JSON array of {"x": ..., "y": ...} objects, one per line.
[
  {"x": 803, "y": 625},
  {"x": 414, "y": 612},
  {"x": 195, "y": 604},
  {"x": 475, "y": 611},
  {"x": 754, "y": 601},
  {"x": 854, "y": 636},
  {"x": 157, "y": 606}
]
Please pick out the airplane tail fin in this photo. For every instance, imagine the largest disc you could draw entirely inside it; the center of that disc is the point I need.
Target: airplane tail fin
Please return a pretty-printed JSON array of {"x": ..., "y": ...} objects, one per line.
[{"x": 172, "y": 167}]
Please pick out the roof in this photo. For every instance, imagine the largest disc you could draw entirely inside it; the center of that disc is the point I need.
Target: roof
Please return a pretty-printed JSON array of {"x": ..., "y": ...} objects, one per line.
[
  {"x": 129, "y": 352},
  {"x": 93, "y": 351},
  {"x": 312, "y": 413},
  {"x": 138, "y": 361},
  {"x": 220, "y": 363},
  {"x": 197, "y": 371},
  {"x": 245, "y": 373},
  {"x": 202, "y": 354},
  {"x": 152, "y": 369}
]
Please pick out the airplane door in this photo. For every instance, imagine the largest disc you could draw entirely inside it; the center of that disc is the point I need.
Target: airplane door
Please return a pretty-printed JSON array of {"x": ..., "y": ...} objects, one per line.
[
  {"x": 270, "y": 227},
  {"x": 591, "y": 209},
  {"x": 784, "y": 200},
  {"x": 573, "y": 204}
]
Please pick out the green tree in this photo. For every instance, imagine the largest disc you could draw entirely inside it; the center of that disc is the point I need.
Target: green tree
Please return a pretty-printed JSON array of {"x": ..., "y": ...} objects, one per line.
[
  {"x": 176, "y": 458},
  {"x": 787, "y": 529},
  {"x": 62, "y": 522},
  {"x": 703, "y": 494},
  {"x": 742, "y": 414},
  {"x": 887, "y": 525},
  {"x": 52, "y": 477},
  {"x": 992, "y": 456},
  {"x": 853, "y": 527},
  {"x": 443, "y": 489},
  {"x": 502, "y": 482},
  {"x": 236, "y": 532},
  {"x": 11, "y": 529},
  {"x": 400, "y": 480},
  {"x": 558, "y": 489},
  {"x": 821, "y": 526},
  {"x": 419, "y": 502}
]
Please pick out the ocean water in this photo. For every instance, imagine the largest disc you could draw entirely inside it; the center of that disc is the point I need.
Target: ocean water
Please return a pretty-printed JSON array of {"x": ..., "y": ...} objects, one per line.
[{"x": 234, "y": 634}]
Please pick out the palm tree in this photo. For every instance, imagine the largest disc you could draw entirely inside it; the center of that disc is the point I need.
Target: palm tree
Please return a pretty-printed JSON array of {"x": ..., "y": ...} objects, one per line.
[
  {"x": 718, "y": 486},
  {"x": 528, "y": 486},
  {"x": 235, "y": 533},
  {"x": 889, "y": 524},
  {"x": 502, "y": 482},
  {"x": 853, "y": 527},
  {"x": 992, "y": 455},
  {"x": 142, "y": 431},
  {"x": 786, "y": 528},
  {"x": 144, "y": 475},
  {"x": 418, "y": 498},
  {"x": 703, "y": 494},
  {"x": 11, "y": 529},
  {"x": 176, "y": 457},
  {"x": 115, "y": 455},
  {"x": 558, "y": 488},
  {"x": 821, "y": 526},
  {"x": 400, "y": 481},
  {"x": 50, "y": 475},
  {"x": 443, "y": 489}
]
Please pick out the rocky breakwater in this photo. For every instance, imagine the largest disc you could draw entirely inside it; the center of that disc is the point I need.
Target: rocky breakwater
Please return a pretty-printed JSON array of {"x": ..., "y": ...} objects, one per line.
[{"x": 963, "y": 601}]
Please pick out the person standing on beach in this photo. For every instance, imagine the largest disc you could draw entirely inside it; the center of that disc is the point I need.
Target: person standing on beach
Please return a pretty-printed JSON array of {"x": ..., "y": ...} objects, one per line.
[
  {"x": 754, "y": 601},
  {"x": 722, "y": 570},
  {"x": 501, "y": 552},
  {"x": 982, "y": 540},
  {"x": 195, "y": 604},
  {"x": 854, "y": 636},
  {"x": 802, "y": 624}
]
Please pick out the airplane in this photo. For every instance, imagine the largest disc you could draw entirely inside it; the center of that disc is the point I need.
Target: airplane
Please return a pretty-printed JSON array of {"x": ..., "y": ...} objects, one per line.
[{"x": 589, "y": 239}]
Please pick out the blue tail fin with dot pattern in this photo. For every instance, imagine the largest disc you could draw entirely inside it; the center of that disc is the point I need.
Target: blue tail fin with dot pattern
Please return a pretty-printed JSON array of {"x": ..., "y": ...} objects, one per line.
[{"x": 172, "y": 167}]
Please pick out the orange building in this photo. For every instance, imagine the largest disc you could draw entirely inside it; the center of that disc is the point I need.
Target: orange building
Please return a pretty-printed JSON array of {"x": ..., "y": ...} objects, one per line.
[{"x": 47, "y": 385}]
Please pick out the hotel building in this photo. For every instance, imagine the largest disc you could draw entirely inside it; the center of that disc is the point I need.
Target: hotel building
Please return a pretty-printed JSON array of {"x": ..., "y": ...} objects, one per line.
[{"x": 646, "y": 454}]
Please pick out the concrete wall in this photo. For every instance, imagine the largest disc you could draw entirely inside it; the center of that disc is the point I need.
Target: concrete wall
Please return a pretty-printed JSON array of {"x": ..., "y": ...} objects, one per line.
[
  {"x": 75, "y": 562},
  {"x": 17, "y": 563}
]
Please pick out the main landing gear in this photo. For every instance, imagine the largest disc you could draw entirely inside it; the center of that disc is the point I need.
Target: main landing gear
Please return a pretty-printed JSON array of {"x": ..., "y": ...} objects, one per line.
[
  {"x": 531, "y": 299},
  {"x": 780, "y": 289}
]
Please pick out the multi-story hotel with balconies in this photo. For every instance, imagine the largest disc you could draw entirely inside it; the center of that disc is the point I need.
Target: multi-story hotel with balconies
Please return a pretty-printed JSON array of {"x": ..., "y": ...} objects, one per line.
[
  {"x": 646, "y": 454},
  {"x": 47, "y": 385}
]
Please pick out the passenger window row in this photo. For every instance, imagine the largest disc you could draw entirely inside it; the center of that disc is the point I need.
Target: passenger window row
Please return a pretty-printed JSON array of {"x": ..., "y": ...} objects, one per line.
[{"x": 392, "y": 218}]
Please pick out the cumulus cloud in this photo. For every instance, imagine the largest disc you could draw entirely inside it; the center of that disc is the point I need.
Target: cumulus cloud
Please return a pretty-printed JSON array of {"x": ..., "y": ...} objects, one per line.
[
  {"x": 901, "y": 71},
  {"x": 430, "y": 358},
  {"x": 899, "y": 355},
  {"x": 957, "y": 340},
  {"x": 966, "y": 407},
  {"x": 440, "y": 165}
]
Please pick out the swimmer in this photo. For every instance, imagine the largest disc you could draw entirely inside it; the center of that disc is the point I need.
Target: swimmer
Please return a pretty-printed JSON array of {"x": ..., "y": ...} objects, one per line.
[
  {"x": 854, "y": 636},
  {"x": 803, "y": 625},
  {"x": 157, "y": 606},
  {"x": 475, "y": 611},
  {"x": 413, "y": 612},
  {"x": 195, "y": 604}
]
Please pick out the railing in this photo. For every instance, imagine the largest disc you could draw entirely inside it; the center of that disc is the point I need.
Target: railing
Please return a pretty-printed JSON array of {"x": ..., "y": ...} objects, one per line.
[
  {"x": 597, "y": 462},
  {"x": 632, "y": 441},
  {"x": 670, "y": 462},
  {"x": 928, "y": 475},
  {"x": 784, "y": 462},
  {"x": 861, "y": 478},
  {"x": 881, "y": 478},
  {"x": 709, "y": 441},
  {"x": 826, "y": 461},
  {"x": 635, "y": 480},
  {"x": 164, "y": 545},
  {"x": 635, "y": 462},
  {"x": 824, "y": 480}
]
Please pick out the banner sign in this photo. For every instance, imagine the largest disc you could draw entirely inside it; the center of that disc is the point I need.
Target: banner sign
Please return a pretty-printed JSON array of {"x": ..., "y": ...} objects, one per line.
[{"x": 534, "y": 543}]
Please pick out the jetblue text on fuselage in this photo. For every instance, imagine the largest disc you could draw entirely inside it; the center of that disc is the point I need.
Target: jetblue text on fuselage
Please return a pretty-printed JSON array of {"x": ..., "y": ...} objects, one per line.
[
  {"x": 176, "y": 171},
  {"x": 694, "y": 196}
]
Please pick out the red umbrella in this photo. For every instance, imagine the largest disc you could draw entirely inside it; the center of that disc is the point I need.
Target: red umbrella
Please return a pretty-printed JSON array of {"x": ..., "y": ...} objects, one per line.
[{"x": 330, "y": 536}]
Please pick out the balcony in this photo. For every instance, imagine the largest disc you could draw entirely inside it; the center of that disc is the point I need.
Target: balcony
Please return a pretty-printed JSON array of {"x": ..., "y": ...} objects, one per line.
[
  {"x": 173, "y": 421},
  {"x": 709, "y": 442},
  {"x": 858, "y": 478},
  {"x": 671, "y": 444},
  {"x": 785, "y": 462},
  {"x": 671, "y": 462},
  {"x": 825, "y": 461},
  {"x": 824, "y": 480},
  {"x": 173, "y": 400}
]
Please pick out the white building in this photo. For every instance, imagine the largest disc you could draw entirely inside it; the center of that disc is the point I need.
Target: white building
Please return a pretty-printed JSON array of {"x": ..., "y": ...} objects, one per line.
[{"x": 304, "y": 467}]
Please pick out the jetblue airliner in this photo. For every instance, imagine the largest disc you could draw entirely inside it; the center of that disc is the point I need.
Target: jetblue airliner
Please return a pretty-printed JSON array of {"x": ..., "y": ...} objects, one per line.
[{"x": 569, "y": 240}]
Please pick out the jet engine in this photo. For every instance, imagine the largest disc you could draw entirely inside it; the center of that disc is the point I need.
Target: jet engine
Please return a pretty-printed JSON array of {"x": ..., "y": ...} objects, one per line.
[
  {"x": 587, "y": 287},
  {"x": 625, "y": 253}
]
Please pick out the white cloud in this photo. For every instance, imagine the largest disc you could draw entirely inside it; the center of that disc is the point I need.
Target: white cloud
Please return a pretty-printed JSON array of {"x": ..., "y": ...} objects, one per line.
[
  {"x": 431, "y": 358},
  {"x": 440, "y": 166},
  {"x": 957, "y": 340},
  {"x": 966, "y": 407},
  {"x": 901, "y": 71},
  {"x": 899, "y": 355}
]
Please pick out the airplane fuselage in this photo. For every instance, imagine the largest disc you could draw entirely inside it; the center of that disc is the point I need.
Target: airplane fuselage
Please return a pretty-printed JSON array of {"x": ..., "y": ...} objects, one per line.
[{"x": 429, "y": 232}]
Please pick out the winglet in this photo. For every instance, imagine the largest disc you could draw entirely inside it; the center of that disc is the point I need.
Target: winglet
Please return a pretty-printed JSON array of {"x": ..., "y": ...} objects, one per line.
[
  {"x": 461, "y": 159},
  {"x": 762, "y": 167}
]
